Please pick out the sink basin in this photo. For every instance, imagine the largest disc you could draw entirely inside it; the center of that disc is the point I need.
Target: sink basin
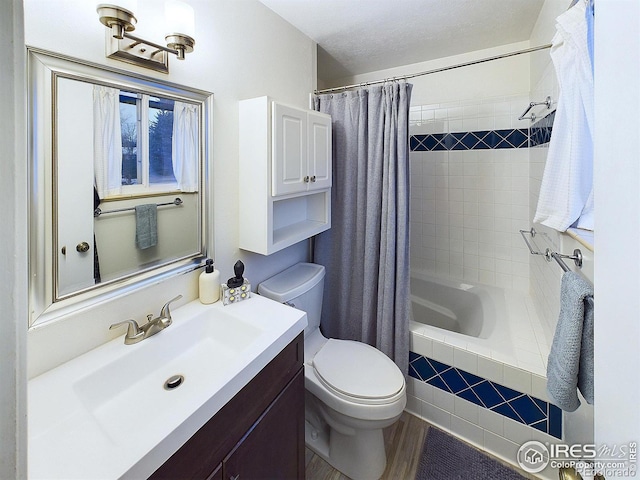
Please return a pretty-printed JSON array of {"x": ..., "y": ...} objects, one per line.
[
  {"x": 125, "y": 394},
  {"x": 106, "y": 414}
]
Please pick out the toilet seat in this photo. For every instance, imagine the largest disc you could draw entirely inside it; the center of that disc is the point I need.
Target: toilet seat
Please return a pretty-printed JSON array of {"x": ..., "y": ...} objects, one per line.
[{"x": 358, "y": 373}]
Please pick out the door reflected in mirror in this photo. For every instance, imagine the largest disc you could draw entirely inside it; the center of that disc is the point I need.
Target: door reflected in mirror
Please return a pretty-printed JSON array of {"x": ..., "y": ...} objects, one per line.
[{"x": 125, "y": 167}]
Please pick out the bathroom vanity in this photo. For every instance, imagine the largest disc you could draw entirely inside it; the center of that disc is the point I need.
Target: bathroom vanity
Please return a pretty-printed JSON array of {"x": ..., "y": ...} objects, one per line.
[
  {"x": 238, "y": 411},
  {"x": 259, "y": 433}
]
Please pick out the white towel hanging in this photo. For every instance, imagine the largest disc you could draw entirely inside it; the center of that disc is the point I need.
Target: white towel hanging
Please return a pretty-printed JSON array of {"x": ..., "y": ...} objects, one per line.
[{"x": 566, "y": 193}]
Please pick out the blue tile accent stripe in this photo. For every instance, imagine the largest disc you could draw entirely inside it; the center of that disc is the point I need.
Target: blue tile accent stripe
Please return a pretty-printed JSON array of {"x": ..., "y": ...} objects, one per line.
[
  {"x": 541, "y": 130},
  {"x": 481, "y": 140},
  {"x": 522, "y": 408}
]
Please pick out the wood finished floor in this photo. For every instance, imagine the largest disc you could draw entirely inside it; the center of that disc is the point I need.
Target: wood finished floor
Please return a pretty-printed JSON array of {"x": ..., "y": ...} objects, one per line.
[{"x": 403, "y": 443}]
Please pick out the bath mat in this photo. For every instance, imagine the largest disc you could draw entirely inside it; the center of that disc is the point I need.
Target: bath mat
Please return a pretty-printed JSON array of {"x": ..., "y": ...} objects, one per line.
[{"x": 447, "y": 458}]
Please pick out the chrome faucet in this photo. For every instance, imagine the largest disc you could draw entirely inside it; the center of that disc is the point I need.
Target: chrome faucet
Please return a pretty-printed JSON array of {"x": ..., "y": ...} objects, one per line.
[{"x": 136, "y": 333}]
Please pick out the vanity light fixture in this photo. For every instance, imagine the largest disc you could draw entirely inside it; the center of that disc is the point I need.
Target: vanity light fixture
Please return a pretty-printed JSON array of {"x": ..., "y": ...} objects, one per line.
[{"x": 122, "y": 45}]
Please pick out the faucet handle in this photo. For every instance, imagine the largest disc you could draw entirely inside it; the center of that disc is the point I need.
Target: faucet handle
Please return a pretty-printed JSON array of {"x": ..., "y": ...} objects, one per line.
[
  {"x": 165, "y": 312},
  {"x": 132, "y": 327}
]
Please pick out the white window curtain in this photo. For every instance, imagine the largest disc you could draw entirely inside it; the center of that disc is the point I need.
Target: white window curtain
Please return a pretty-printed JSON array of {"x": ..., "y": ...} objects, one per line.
[
  {"x": 184, "y": 146},
  {"x": 107, "y": 141}
]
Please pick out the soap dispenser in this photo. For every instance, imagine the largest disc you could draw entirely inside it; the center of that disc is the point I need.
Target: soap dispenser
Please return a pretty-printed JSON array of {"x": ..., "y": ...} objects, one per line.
[{"x": 209, "y": 284}]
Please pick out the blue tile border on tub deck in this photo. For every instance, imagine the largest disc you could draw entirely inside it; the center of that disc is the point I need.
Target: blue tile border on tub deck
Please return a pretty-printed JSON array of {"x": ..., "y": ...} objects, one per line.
[{"x": 522, "y": 408}]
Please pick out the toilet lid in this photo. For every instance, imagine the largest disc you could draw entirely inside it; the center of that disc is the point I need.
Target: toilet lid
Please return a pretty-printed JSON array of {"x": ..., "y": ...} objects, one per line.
[{"x": 357, "y": 370}]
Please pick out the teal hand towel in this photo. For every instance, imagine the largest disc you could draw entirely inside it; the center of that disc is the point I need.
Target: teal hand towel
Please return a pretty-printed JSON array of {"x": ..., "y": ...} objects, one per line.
[
  {"x": 146, "y": 225},
  {"x": 570, "y": 365}
]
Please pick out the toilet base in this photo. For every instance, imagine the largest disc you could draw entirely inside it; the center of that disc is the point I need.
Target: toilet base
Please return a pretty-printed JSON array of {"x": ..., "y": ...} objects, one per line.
[{"x": 361, "y": 456}]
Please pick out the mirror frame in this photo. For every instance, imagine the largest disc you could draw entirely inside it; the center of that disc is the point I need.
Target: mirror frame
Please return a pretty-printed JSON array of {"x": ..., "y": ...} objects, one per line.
[{"x": 43, "y": 69}]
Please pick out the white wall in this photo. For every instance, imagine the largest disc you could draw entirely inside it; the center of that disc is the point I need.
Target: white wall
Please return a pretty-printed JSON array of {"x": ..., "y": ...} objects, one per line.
[
  {"x": 504, "y": 77},
  {"x": 243, "y": 50},
  {"x": 13, "y": 255},
  {"x": 617, "y": 183}
]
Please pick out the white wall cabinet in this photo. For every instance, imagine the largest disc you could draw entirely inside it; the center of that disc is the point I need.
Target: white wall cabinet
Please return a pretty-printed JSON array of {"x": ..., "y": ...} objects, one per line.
[
  {"x": 285, "y": 174},
  {"x": 301, "y": 157}
]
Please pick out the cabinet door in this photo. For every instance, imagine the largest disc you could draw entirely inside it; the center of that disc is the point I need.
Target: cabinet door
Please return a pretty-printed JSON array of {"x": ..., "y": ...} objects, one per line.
[
  {"x": 289, "y": 156},
  {"x": 319, "y": 151},
  {"x": 274, "y": 447}
]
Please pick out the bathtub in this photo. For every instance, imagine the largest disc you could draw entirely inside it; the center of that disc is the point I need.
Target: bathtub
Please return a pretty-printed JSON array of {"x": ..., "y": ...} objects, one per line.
[
  {"x": 477, "y": 365},
  {"x": 462, "y": 313}
]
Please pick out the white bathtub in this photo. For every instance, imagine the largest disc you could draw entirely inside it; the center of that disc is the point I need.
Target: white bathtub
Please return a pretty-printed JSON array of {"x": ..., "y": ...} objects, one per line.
[
  {"x": 489, "y": 321},
  {"x": 493, "y": 334},
  {"x": 462, "y": 313}
]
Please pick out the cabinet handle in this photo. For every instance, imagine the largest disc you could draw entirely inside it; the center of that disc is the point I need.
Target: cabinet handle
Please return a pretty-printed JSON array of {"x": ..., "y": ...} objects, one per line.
[
  {"x": 306, "y": 179},
  {"x": 313, "y": 179}
]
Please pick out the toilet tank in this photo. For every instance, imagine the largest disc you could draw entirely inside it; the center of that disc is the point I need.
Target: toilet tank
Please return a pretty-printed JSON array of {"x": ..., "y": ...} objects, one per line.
[{"x": 302, "y": 286}]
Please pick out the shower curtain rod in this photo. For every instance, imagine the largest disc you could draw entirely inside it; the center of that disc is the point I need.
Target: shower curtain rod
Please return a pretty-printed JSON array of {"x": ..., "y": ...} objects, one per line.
[{"x": 437, "y": 70}]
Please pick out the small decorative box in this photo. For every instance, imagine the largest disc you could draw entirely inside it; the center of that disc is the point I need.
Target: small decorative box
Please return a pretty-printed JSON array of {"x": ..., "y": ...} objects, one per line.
[{"x": 235, "y": 294}]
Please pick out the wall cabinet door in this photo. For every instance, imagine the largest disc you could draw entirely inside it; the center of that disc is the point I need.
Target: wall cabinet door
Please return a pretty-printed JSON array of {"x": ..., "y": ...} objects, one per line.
[
  {"x": 274, "y": 448},
  {"x": 301, "y": 150},
  {"x": 319, "y": 160},
  {"x": 289, "y": 150}
]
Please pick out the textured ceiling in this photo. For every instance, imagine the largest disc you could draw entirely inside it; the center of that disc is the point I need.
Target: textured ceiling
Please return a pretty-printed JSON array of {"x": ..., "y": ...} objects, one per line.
[{"x": 360, "y": 36}]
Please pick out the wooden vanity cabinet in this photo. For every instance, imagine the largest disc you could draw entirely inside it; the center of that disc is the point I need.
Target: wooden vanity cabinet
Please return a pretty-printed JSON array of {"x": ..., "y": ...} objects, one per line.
[{"x": 259, "y": 433}]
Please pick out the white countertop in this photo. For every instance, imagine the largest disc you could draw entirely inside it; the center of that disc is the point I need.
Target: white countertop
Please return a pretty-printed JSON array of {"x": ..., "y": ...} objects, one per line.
[{"x": 105, "y": 414}]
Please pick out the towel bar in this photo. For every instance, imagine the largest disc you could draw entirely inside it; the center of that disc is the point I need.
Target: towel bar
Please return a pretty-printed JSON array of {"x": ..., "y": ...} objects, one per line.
[
  {"x": 97, "y": 212},
  {"x": 550, "y": 254},
  {"x": 533, "y": 117},
  {"x": 531, "y": 232},
  {"x": 576, "y": 257}
]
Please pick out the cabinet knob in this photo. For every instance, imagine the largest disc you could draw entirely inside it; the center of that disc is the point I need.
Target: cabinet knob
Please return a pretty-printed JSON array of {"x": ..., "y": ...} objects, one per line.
[
  {"x": 313, "y": 179},
  {"x": 306, "y": 179},
  {"x": 234, "y": 477}
]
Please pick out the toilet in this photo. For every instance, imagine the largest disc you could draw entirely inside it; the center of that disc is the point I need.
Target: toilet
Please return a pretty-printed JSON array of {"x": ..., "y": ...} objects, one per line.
[{"x": 353, "y": 390}]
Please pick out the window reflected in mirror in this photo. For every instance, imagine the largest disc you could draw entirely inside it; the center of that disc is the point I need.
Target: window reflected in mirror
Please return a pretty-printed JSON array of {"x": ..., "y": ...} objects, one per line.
[{"x": 151, "y": 117}]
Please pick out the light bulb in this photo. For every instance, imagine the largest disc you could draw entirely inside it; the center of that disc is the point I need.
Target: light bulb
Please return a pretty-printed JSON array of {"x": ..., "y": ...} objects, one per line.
[{"x": 180, "y": 18}]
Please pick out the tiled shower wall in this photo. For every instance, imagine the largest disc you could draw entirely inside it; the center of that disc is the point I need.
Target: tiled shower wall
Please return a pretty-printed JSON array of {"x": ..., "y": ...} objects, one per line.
[
  {"x": 468, "y": 202},
  {"x": 545, "y": 277}
]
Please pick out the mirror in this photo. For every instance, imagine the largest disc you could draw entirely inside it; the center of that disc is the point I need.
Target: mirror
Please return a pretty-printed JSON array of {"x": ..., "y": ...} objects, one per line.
[{"x": 118, "y": 190}]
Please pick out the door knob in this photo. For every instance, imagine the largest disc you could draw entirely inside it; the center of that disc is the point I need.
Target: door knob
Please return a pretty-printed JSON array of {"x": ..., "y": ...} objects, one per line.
[{"x": 82, "y": 247}]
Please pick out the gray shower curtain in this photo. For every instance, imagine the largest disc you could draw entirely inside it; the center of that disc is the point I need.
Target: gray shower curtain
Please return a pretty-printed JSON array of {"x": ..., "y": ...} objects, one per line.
[{"x": 366, "y": 251}]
